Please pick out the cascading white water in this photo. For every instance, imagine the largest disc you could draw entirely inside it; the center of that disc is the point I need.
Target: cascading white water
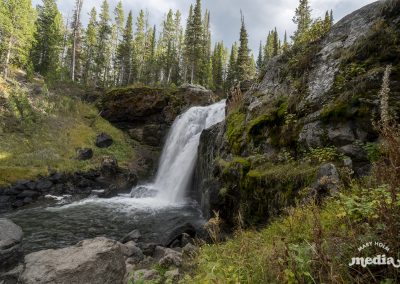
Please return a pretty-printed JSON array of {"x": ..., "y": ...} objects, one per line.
[{"x": 180, "y": 151}]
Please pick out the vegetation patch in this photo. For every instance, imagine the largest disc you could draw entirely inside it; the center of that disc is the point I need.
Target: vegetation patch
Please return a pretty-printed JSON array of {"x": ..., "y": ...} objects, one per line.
[
  {"x": 309, "y": 245},
  {"x": 235, "y": 123},
  {"x": 47, "y": 138}
]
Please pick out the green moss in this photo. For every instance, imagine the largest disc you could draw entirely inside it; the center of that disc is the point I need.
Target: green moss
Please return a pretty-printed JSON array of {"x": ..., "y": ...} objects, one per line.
[
  {"x": 269, "y": 188},
  {"x": 272, "y": 120},
  {"x": 239, "y": 165},
  {"x": 235, "y": 130},
  {"x": 50, "y": 143}
]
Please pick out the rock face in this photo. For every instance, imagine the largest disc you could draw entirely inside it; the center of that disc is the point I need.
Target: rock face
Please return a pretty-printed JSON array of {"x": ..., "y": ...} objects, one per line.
[
  {"x": 311, "y": 112},
  {"x": 98, "y": 260},
  {"x": 205, "y": 186},
  {"x": 10, "y": 244},
  {"x": 109, "y": 178}
]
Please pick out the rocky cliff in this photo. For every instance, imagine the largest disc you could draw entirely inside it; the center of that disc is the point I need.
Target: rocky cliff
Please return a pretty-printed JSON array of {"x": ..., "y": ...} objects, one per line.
[{"x": 313, "y": 106}]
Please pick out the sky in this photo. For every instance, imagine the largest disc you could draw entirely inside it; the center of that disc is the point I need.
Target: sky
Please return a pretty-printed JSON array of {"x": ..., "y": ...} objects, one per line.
[{"x": 260, "y": 15}]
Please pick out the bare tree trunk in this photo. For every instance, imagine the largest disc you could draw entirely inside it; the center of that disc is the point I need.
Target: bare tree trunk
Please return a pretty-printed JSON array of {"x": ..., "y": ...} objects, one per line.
[
  {"x": 192, "y": 75},
  {"x": 76, "y": 27},
  {"x": 8, "y": 56}
]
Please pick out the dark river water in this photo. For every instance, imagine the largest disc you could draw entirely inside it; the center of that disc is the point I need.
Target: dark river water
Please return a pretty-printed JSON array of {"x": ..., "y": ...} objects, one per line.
[{"x": 59, "y": 225}]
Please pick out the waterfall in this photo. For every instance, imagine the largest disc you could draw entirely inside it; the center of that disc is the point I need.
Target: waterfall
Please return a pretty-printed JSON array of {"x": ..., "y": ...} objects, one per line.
[{"x": 179, "y": 155}]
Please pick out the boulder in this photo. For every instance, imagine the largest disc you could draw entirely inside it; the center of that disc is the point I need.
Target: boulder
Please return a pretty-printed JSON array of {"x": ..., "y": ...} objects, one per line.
[
  {"x": 10, "y": 244},
  {"x": 11, "y": 276},
  {"x": 189, "y": 250},
  {"x": 84, "y": 154},
  {"x": 310, "y": 135},
  {"x": 132, "y": 236},
  {"x": 355, "y": 152},
  {"x": 28, "y": 193},
  {"x": 98, "y": 260},
  {"x": 168, "y": 257},
  {"x": 341, "y": 134},
  {"x": 171, "y": 258},
  {"x": 132, "y": 251},
  {"x": 44, "y": 184},
  {"x": 327, "y": 179},
  {"x": 173, "y": 275},
  {"x": 104, "y": 140},
  {"x": 195, "y": 95},
  {"x": 109, "y": 166},
  {"x": 146, "y": 275}
]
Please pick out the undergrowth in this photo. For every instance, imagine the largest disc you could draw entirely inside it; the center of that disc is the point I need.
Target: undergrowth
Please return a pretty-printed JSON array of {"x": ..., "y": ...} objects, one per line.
[{"x": 40, "y": 133}]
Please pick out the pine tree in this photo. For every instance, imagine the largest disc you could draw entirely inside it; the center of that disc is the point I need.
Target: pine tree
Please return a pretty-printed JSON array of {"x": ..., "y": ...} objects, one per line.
[
  {"x": 218, "y": 60},
  {"x": 275, "y": 43},
  {"x": 204, "y": 68},
  {"x": 179, "y": 43},
  {"x": 76, "y": 36},
  {"x": 302, "y": 19},
  {"x": 103, "y": 45},
  {"x": 285, "y": 46},
  {"x": 260, "y": 58},
  {"x": 198, "y": 43},
  {"x": 124, "y": 55},
  {"x": 166, "y": 49},
  {"x": 243, "y": 60},
  {"x": 139, "y": 48},
  {"x": 231, "y": 77},
  {"x": 188, "y": 49},
  {"x": 16, "y": 33},
  {"x": 89, "y": 47},
  {"x": 48, "y": 39},
  {"x": 117, "y": 30}
]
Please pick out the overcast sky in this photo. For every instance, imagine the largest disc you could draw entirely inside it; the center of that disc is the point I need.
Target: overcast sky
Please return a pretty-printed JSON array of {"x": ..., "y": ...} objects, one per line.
[{"x": 260, "y": 15}]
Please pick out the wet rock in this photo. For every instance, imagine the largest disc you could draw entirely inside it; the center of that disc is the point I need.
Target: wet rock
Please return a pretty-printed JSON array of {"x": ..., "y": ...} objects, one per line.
[
  {"x": 21, "y": 185},
  {"x": 44, "y": 184},
  {"x": 12, "y": 191},
  {"x": 109, "y": 166},
  {"x": 57, "y": 177},
  {"x": 12, "y": 276},
  {"x": 153, "y": 133},
  {"x": 104, "y": 140},
  {"x": 148, "y": 248},
  {"x": 18, "y": 204},
  {"x": 10, "y": 244},
  {"x": 132, "y": 236},
  {"x": 28, "y": 193},
  {"x": 84, "y": 154},
  {"x": 31, "y": 185},
  {"x": 131, "y": 250},
  {"x": 98, "y": 260}
]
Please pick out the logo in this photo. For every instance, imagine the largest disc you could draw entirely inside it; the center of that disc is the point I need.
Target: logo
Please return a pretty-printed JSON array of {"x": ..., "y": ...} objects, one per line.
[{"x": 380, "y": 259}]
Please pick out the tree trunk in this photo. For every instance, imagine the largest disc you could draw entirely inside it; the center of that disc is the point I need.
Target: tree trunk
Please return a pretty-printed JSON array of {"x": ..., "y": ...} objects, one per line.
[{"x": 8, "y": 56}]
